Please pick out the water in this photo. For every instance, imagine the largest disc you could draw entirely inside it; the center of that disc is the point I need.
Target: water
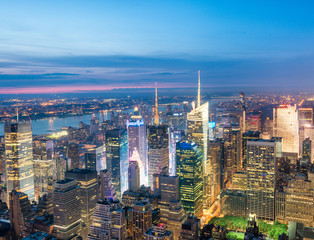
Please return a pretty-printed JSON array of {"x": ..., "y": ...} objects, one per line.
[{"x": 43, "y": 126}]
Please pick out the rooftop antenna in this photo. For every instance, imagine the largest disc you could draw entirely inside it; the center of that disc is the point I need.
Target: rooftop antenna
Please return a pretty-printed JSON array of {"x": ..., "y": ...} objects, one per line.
[
  {"x": 156, "y": 106},
  {"x": 199, "y": 89}
]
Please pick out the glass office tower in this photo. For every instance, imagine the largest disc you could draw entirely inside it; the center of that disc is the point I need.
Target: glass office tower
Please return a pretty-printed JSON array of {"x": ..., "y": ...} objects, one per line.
[
  {"x": 19, "y": 158},
  {"x": 190, "y": 171}
]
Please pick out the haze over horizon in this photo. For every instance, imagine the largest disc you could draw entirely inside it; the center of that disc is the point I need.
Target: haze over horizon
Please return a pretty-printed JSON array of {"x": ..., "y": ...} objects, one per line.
[{"x": 79, "y": 46}]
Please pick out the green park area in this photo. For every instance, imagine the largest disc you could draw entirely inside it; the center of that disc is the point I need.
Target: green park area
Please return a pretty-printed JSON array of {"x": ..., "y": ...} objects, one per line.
[
  {"x": 235, "y": 235},
  {"x": 238, "y": 224}
]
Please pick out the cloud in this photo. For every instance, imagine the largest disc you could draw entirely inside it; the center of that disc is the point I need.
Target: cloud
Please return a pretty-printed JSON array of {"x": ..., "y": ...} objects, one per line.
[{"x": 92, "y": 73}]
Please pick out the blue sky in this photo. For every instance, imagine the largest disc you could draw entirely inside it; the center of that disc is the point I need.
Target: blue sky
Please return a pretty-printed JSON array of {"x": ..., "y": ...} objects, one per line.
[{"x": 90, "y": 45}]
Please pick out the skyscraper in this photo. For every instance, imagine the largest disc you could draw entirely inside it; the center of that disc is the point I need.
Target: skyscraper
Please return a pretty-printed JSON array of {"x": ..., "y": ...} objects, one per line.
[
  {"x": 197, "y": 131},
  {"x": 190, "y": 229},
  {"x": 106, "y": 188},
  {"x": 159, "y": 232},
  {"x": 253, "y": 121},
  {"x": 43, "y": 177},
  {"x": 158, "y": 150},
  {"x": 67, "y": 213},
  {"x": 87, "y": 181},
  {"x": 117, "y": 159},
  {"x": 19, "y": 158},
  {"x": 90, "y": 159},
  {"x": 306, "y": 150},
  {"x": 137, "y": 143},
  {"x": 134, "y": 176},
  {"x": 108, "y": 221},
  {"x": 261, "y": 163},
  {"x": 171, "y": 211},
  {"x": 286, "y": 125},
  {"x": 305, "y": 117},
  {"x": 20, "y": 212},
  {"x": 215, "y": 156},
  {"x": 141, "y": 219},
  {"x": 190, "y": 171},
  {"x": 73, "y": 156}
]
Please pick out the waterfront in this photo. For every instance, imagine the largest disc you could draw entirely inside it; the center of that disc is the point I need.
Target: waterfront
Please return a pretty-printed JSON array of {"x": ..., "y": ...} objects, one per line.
[{"x": 43, "y": 126}]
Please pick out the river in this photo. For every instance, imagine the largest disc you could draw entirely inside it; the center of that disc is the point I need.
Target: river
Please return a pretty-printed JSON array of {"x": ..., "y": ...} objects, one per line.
[{"x": 43, "y": 126}]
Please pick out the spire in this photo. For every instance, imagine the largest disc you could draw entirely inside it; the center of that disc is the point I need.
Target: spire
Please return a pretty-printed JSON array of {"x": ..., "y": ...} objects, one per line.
[
  {"x": 156, "y": 106},
  {"x": 199, "y": 89}
]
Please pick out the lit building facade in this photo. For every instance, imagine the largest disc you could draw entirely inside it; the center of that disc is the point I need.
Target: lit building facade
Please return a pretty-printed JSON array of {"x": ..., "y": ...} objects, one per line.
[
  {"x": 137, "y": 141},
  {"x": 158, "y": 150},
  {"x": 117, "y": 159},
  {"x": 253, "y": 121},
  {"x": 158, "y": 232},
  {"x": 197, "y": 131},
  {"x": 108, "y": 221},
  {"x": 87, "y": 181},
  {"x": 305, "y": 117},
  {"x": 141, "y": 218},
  {"x": 20, "y": 212},
  {"x": 261, "y": 163},
  {"x": 67, "y": 214},
  {"x": 134, "y": 176},
  {"x": 190, "y": 171},
  {"x": 286, "y": 125},
  {"x": 19, "y": 158},
  {"x": 299, "y": 196},
  {"x": 43, "y": 177},
  {"x": 101, "y": 158},
  {"x": 106, "y": 189},
  {"x": 73, "y": 155}
]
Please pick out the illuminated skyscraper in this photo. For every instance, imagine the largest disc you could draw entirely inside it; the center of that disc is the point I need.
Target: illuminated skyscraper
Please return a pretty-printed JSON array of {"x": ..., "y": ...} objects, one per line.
[
  {"x": 174, "y": 137},
  {"x": 245, "y": 138},
  {"x": 134, "y": 176},
  {"x": 90, "y": 159},
  {"x": 94, "y": 125},
  {"x": 141, "y": 219},
  {"x": 253, "y": 121},
  {"x": 101, "y": 158},
  {"x": 158, "y": 150},
  {"x": 117, "y": 159},
  {"x": 299, "y": 200},
  {"x": 19, "y": 158},
  {"x": 197, "y": 132},
  {"x": 171, "y": 211},
  {"x": 108, "y": 221},
  {"x": 190, "y": 171},
  {"x": 137, "y": 141},
  {"x": 67, "y": 213},
  {"x": 215, "y": 156},
  {"x": 73, "y": 156},
  {"x": 305, "y": 117},
  {"x": 87, "y": 181},
  {"x": 306, "y": 150},
  {"x": 261, "y": 163},
  {"x": 43, "y": 177},
  {"x": 106, "y": 188},
  {"x": 286, "y": 125}
]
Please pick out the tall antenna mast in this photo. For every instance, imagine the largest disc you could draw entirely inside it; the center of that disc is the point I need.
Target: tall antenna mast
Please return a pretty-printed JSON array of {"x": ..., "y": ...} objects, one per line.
[
  {"x": 199, "y": 89},
  {"x": 156, "y": 106}
]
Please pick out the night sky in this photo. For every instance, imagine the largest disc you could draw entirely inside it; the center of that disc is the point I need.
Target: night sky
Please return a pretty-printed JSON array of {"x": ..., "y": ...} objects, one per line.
[{"x": 85, "y": 46}]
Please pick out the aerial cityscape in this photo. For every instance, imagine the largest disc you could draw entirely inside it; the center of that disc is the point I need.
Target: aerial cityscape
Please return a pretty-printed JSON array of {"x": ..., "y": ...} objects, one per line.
[{"x": 152, "y": 120}]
